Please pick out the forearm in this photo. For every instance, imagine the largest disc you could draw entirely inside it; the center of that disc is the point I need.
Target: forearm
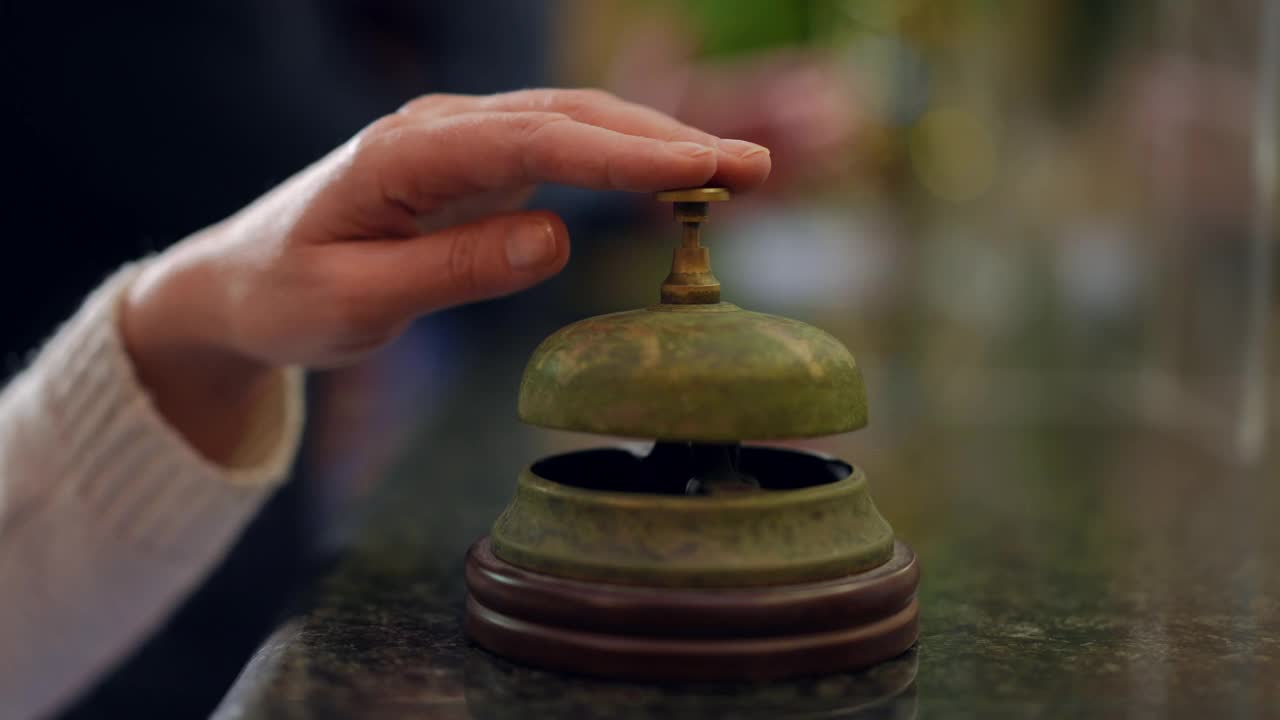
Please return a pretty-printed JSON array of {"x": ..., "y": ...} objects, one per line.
[{"x": 108, "y": 516}]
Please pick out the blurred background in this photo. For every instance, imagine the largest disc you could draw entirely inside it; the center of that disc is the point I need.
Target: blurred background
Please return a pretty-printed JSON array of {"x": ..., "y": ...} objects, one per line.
[{"x": 1046, "y": 229}]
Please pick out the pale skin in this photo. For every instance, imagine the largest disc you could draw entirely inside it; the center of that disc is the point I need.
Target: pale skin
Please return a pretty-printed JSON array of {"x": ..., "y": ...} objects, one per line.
[{"x": 417, "y": 213}]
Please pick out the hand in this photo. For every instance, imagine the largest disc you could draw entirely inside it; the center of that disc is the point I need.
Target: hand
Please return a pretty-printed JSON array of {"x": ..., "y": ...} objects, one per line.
[{"x": 414, "y": 214}]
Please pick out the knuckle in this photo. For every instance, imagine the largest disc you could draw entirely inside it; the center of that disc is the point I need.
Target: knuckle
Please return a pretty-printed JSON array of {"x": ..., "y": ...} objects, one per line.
[
  {"x": 422, "y": 102},
  {"x": 589, "y": 96},
  {"x": 377, "y": 134},
  {"x": 387, "y": 124},
  {"x": 581, "y": 100},
  {"x": 378, "y": 146},
  {"x": 463, "y": 277},
  {"x": 532, "y": 98},
  {"x": 428, "y": 103},
  {"x": 529, "y": 124},
  {"x": 538, "y": 155}
]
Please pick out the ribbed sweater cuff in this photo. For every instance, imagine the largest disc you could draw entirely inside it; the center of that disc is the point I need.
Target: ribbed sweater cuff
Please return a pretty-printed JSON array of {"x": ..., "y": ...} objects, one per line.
[{"x": 123, "y": 460}]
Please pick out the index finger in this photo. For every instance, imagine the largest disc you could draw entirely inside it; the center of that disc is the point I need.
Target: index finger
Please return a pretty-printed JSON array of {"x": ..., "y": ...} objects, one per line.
[
  {"x": 740, "y": 164},
  {"x": 421, "y": 164}
]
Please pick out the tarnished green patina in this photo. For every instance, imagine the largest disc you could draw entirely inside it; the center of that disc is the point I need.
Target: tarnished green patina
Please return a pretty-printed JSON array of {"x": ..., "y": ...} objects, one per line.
[
  {"x": 705, "y": 373},
  {"x": 742, "y": 540},
  {"x": 693, "y": 370}
]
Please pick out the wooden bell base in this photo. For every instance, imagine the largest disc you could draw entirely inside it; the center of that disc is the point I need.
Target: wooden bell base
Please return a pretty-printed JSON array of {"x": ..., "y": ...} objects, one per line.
[{"x": 692, "y": 634}]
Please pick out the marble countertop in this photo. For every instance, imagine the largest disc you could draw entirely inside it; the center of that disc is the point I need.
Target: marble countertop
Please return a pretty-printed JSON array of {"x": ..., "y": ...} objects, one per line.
[{"x": 1070, "y": 569}]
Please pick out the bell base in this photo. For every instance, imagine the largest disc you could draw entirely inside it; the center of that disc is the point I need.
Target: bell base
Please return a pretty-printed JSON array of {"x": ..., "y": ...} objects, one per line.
[{"x": 692, "y": 634}]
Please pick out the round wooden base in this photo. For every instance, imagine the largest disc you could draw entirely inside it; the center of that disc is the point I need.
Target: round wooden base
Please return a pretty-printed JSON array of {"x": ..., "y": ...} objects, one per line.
[{"x": 681, "y": 634}]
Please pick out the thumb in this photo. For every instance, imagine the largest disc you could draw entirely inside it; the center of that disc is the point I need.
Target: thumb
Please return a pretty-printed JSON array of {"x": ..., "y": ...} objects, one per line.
[{"x": 488, "y": 258}]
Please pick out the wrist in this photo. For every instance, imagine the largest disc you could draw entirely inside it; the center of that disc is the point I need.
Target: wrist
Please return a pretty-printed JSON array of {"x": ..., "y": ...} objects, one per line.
[{"x": 173, "y": 332}]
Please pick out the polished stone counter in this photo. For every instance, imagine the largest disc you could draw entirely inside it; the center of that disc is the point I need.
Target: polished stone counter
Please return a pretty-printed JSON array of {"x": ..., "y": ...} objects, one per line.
[{"x": 1095, "y": 569}]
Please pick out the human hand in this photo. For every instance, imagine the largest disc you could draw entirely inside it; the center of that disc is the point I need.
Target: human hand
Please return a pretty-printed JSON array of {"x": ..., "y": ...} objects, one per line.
[{"x": 414, "y": 214}]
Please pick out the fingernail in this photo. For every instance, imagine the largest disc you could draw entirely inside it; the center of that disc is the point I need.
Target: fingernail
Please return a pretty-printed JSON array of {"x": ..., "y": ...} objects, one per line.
[
  {"x": 691, "y": 149},
  {"x": 531, "y": 246},
  {"x": 742, "y": 148}
]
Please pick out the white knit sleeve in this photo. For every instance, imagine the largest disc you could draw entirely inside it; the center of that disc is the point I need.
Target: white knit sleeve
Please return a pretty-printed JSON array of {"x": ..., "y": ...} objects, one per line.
[{"x": 108, "y": 518}]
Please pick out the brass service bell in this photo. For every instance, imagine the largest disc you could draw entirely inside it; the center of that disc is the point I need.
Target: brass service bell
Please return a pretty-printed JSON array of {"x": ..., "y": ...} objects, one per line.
[{"x": 705, "y": 559}]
